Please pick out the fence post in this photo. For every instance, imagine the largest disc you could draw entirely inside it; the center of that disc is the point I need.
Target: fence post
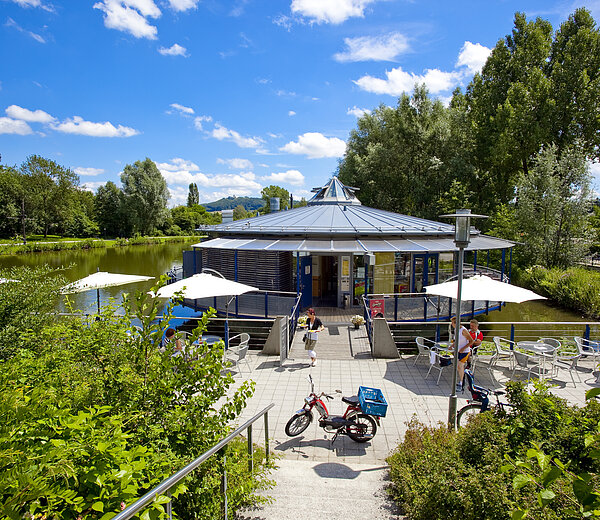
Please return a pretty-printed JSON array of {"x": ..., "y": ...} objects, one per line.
[
  {"x": 170, "y": 506},
  {"x": 224, "y": 483},
  {"x": 250, "y": 450},
  {"x": 266, "y": 305},
  {"x": 587, "y": 332},
  {"x": 396, "y": 307},
  {"x": 267, "y": 435},
  {"x": 512, "y": 333}
]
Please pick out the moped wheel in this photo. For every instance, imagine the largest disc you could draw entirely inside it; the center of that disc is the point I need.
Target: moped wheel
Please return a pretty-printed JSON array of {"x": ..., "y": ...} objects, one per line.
[
  {"x": 298, "y": 423},
  {"x": 465, "y": 412},
  {"x": 363, "y": 429}
]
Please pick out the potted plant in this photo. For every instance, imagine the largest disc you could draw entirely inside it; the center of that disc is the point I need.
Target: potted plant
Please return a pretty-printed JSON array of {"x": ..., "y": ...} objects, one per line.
[{"x": 357, "y": 320}]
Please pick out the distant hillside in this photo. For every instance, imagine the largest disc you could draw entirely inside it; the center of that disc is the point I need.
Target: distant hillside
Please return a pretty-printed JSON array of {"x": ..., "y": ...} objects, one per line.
[{"x": 249, "y": 203}]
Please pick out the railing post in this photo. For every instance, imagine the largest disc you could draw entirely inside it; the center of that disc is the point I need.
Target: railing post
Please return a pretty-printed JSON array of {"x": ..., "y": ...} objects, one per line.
[
  {"x": 267, "y": 435},
  {"x": 250, "y": 450},
  {"x": 170, "y": 507},
  {"x": 587, "y": 332},
  {"x": 266, "y": 305},
  {"x": 396, "y": 307},
  {"x": 224, "y": 482},
  {"x": 512, "y": 333}
]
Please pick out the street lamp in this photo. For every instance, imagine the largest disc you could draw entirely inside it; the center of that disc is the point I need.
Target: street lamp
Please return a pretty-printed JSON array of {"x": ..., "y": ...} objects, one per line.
[{"x": 462, "y": 232}]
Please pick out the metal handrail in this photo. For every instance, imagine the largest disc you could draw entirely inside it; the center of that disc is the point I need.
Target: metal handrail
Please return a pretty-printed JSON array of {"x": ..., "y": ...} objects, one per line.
[{"x": 167, "y": 484}]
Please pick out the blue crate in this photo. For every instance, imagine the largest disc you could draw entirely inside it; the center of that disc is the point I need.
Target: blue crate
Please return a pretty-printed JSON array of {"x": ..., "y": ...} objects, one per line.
[{"x": 372, "y": 401}]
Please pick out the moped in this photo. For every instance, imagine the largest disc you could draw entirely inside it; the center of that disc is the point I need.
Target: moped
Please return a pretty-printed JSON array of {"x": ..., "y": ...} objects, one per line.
[{"x": 359, "y": 426}]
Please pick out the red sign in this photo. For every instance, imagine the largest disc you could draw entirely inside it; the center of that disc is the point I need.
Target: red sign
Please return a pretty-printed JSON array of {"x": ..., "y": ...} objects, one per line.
[{"x": 377, "y": 308}]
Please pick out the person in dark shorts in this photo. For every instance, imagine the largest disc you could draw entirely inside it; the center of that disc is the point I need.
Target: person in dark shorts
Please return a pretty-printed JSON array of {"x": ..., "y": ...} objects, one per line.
[
  {"x": 314, "y": 325},
  {"x": 465, "y": 341}
]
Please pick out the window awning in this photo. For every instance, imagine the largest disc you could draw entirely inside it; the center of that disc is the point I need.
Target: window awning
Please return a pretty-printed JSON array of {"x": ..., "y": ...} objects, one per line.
[{"x": 358, "y": 246}]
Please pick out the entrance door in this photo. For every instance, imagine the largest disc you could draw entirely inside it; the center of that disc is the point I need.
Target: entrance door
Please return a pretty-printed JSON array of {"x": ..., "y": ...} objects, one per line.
[
  {"x": 306, "y": 281},
  {"x": 425, "y": 271}
]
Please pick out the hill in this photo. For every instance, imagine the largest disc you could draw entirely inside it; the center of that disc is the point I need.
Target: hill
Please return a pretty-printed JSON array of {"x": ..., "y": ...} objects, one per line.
[{"x": 249, "y": 203}]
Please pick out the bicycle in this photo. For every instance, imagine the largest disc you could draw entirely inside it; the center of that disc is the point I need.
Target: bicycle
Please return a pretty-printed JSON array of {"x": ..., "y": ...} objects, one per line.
[{"x": 480, "y": 401}]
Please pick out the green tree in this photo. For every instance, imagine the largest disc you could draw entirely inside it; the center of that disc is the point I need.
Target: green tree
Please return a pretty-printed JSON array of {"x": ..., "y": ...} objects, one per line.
[
  {"x": 111, "y": 210},
  {"x": 552, "y": 208},
  {"x": 146, "y": 192},
  {"x": 274, "y": 191},
  {"x": 52, "y": 190},
  {"x": 11, "y": 199},
  {"x": 82, "y": 220},
  {"x": 239, "y": 212},
  {"x": 193, "y": 195}
]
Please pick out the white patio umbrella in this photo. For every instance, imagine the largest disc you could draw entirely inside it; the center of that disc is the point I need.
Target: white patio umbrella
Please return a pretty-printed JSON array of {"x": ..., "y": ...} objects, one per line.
[
  {"x": 480, "y": 287},
  {"x": 204, "y": 285},
  {"x": 100, "y": 280}
]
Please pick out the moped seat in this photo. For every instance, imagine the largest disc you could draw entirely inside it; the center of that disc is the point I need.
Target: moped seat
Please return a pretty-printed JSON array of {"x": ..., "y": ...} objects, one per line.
[{"x": 353, "y": 400}]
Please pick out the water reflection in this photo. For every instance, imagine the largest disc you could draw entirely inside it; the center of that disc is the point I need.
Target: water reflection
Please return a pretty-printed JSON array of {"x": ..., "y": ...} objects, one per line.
[{"x": 150, "y": 260}]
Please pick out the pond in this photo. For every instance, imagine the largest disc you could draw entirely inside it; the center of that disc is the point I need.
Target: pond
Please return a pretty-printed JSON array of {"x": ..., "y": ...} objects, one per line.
[{"x": 149, "y": 260}]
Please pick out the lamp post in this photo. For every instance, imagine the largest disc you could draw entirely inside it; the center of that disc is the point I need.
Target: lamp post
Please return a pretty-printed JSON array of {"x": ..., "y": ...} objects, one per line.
[{"x": 462, "y": 231}]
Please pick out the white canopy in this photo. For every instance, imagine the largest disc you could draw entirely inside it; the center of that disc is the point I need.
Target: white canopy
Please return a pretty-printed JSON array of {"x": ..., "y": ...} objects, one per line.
[
  {"x": 102, "y": 279},
  {"x": 204, "y": 285},
  {"x": 480, "y": 287}
]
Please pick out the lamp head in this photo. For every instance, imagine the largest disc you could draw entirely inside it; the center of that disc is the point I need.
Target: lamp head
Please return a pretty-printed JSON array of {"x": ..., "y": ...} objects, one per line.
[{"x": 462, "y": 228}]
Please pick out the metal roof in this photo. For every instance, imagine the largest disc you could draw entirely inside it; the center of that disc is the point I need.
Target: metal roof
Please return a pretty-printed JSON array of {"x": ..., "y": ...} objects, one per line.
[
  {"x": 333, "y": 246},
  {"x": 335, "y": 220}
]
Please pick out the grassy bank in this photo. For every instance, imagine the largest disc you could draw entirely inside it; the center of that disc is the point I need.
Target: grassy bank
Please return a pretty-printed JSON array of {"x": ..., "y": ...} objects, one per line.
[
  {"x": 575, "y": 288},
  {"x": 87, "y": 243}
]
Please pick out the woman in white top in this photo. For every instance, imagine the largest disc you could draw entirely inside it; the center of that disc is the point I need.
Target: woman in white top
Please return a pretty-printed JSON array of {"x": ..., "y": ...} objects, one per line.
[{"x": 465, "y": 341}]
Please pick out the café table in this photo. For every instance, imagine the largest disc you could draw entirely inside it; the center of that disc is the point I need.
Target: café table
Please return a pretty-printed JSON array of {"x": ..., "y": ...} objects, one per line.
[{"x": 540, "y": 348}]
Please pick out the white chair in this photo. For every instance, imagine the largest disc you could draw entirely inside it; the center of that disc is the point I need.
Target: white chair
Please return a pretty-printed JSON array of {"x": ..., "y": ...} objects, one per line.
[
  {"x": 438, "y": 362},
  {"x": 568, "y": 363},
  {"x": 586, "y": 348},
  {"x": 236, "y": 354},
  {"x": 504, "y": 350},
  {"x": 527, "y": 363},
  {"x": 552, "y": 342},
  {"x": 424, "y": 345}
]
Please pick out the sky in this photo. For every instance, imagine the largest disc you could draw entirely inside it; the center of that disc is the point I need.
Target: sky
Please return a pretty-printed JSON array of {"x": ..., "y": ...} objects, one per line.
[{"x": 231, "y": 95}]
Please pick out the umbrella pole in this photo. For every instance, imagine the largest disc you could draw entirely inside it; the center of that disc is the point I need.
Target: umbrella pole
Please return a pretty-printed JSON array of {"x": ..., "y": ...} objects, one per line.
[{"x": 453, "y": 397}]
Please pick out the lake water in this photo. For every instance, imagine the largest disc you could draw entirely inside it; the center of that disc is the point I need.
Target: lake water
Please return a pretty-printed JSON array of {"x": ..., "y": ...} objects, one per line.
[{"x": 148, "y": 260}]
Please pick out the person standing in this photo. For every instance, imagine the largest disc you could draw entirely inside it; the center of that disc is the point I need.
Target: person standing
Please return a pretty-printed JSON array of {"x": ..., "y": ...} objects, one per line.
[
  {"x": 314, "y": 325},
  {"x": 465, "y": 341},
  {"x": 477, "y": 336}
]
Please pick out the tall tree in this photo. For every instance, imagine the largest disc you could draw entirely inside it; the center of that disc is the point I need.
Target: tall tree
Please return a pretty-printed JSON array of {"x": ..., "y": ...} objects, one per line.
[
  {"x": 11, "y": 201},
  {"x": 193, "y": 195},
  {"x": 146, "y": 191},
  {"x": 52, "y": 189},
  {"x": 273, "y": 191}
]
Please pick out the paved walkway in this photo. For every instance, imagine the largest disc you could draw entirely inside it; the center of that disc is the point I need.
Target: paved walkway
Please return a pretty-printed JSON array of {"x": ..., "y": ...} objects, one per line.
[{"x": 344, "y": 363}]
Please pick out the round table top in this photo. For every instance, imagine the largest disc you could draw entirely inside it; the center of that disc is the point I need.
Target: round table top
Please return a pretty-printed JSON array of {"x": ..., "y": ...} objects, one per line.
[
  {"x": 536, "y": 346},
  {"x": 210, "y": 339}
]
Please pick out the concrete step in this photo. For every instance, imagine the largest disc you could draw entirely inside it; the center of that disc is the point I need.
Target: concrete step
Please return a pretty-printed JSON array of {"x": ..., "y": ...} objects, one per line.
[{"x": 310, "y": 490}]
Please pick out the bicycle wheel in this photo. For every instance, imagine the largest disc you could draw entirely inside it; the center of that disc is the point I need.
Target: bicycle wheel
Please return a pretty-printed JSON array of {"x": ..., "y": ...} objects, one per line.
[
  {"x": 363, "y": 429},
  {"x": 298, "y": 423},
  {"x": 462, "y": 417}
]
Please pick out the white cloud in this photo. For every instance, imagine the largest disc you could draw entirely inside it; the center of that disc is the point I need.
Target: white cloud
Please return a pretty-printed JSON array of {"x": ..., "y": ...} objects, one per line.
[
  {"x": 93, "y": 186},
  {"x": 330, "y": 11},
  {"x": 183, "y": 5},
  {"x": 291, "y": 113},
  {"x": 378, "y": 48},
  {"x": 201, "y": 119},
  {"x": 293, "y": 177},
  {"x": 77, "y": 125},
  {"x": 11, "y": 23},
  {"x": 398, "y": 81},
  {"x": 180, "y": 173},
  {"x": 594, "y": 169},
  {"x": 36, "y": 116},
  {"x": 130, "y": 16},
  {"x": 315, "y": 146},
  {"x": 357, "y": 112},
  {"x": 174, "y": 50},
  {"x": 182, "y": 109},
  {"x": 178, "y": 164},
  {"x": 88, "y": 172},
  {"x": 34, "y": 3},
  {"x": 225, "y": 134},
  {"x": 473, "y": 56},
  {"x": 237, "y": 164},
  {"x": 13, "y": 126}
]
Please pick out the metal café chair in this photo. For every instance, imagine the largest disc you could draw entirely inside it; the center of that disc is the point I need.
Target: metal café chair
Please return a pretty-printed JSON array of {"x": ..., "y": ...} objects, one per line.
[
  {"x": 527, "y": 363},
  {"x": 424, "y": 345},
  {"x": 236, "y": 354},
  {"x": 504, "y": 350},
  {"x": 568, "y": 363},
  {"x": 438, "y": 362},
  {"x": 586, "y": 348}
]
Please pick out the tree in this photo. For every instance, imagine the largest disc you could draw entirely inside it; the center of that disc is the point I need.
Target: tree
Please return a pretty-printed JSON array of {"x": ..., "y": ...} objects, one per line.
[
  {"x": 113, "y": 218},
  {"x": 193, "y": 195},
  {"x": 552, "y": 208},
  {"x": 11, "y": 199},
  {"x": 272, "y": 191},
  {"x": 239, "y": 212},
  {"x": 52, "y": 190},
  {"x": 146, "y": 192}
]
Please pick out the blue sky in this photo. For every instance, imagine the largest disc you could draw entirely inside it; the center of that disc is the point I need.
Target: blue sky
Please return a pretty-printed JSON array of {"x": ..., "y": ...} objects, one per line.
[{"x": 233, "y": 95}]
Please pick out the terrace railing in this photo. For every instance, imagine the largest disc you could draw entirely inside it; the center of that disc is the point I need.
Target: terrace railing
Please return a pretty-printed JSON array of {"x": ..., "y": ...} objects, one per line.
[{"x": 164, "y": 487}]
